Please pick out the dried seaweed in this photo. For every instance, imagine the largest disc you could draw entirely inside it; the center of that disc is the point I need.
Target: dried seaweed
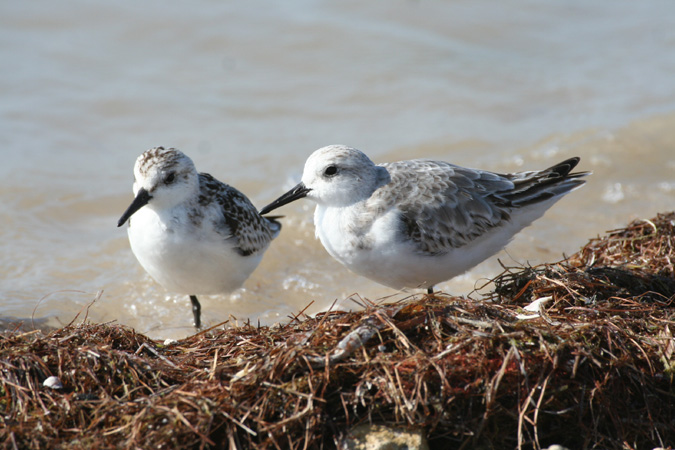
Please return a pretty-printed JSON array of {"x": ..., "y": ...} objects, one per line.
[{"x": 591, "y": 368}]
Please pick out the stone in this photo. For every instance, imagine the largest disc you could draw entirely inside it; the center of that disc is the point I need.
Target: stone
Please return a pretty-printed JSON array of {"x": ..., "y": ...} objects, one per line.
[{"x": 381, "y": 437}]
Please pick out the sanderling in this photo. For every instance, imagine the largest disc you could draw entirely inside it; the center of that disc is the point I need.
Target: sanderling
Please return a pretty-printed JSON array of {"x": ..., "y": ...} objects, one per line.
[
  {"x": 192, "y": 233},
  {"x": 413, "y": 224}
]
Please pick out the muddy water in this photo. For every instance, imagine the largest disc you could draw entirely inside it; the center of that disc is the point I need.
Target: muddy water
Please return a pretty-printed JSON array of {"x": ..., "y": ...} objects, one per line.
[{"x": 249, "y": 90}]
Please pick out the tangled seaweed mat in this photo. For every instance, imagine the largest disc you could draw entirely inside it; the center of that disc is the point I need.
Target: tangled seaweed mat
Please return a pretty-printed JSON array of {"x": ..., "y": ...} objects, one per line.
[{"x": 591, "y": 368}]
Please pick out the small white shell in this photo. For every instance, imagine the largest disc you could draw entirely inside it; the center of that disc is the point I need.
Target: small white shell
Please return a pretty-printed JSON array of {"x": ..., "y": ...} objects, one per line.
[
  {"x": 536, "y": 307},
  {"x": 53, "y": 382}
]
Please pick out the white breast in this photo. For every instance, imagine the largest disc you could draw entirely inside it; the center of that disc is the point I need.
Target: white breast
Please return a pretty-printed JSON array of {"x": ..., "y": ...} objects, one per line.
[
  {"x": 187, "y": 259},
  {"x": 390, "y": 259},
  {"x": 372, "y": 252}
]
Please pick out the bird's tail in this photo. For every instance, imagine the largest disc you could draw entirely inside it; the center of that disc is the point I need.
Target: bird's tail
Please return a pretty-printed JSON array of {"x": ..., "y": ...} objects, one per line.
[{"x": 538, "y": 186}]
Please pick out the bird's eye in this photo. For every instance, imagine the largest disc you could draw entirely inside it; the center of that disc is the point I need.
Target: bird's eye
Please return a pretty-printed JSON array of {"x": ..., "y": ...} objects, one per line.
[
  {"x": 170, "y": 178},
  {"x": 330, "y": 171}
]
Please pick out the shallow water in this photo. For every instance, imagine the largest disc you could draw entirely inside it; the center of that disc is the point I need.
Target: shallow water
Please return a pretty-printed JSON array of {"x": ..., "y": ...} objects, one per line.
[{"x": 249, "y": 90}]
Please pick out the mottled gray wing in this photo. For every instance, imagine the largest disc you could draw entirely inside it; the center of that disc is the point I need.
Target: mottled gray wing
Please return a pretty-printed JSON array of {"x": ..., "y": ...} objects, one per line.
[
  {"x": 445, "y": 206},
  {"x": 240, "y": 219}
]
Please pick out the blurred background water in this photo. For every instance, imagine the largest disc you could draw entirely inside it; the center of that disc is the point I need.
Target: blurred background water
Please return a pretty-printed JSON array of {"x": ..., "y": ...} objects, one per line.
[{"x": 250, "y": 89}]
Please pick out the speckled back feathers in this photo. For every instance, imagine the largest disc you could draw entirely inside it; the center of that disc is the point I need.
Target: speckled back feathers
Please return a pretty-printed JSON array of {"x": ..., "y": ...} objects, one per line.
[{"x": 239, "y": 217}]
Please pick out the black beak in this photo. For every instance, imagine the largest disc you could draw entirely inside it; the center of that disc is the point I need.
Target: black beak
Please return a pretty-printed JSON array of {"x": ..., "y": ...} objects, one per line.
[
  {"x": 299, "y": 191},
  {"x": 142, "y": 199}
]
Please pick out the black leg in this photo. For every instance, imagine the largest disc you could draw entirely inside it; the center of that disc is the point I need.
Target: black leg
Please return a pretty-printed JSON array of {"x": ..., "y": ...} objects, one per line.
[
  {"x": 196, "y": 310},
  {"x": 430, "y": 290}
]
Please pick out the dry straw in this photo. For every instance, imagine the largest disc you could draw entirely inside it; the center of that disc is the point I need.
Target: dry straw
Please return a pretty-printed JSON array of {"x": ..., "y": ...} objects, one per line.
[{"x": 589, "y": 364}]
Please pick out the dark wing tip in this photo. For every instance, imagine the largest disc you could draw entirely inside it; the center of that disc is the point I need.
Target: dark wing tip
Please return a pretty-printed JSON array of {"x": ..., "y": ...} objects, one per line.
[
  {"x": 273, "y": 218},
  {"x": 273, "y": 222},
  {"x": 565, "y": 167}
]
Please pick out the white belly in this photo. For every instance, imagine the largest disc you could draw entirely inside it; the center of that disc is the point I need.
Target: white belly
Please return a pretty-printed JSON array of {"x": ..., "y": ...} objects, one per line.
[
  {"x": 186, "y": 259},
  {"x": 390, "y": 260}
]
